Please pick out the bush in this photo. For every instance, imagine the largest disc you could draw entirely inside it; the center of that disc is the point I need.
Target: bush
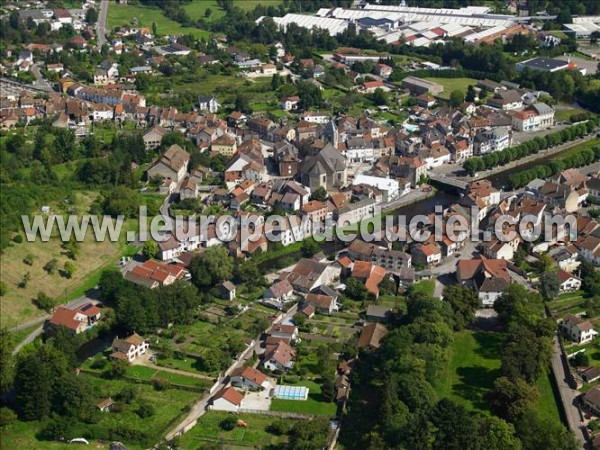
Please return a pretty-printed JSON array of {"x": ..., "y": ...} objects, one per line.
[
  {"x": 145, "y": 410},
  {"x": 279, "y": 427},
  {"x": 7, "y": 416},
  {"x": 117, "y": 370},
  {"x": 28, "y": 259},
  {"x": 44, "y": 302},
  {"x": 161, "y": 384},
  {"x": 18, "y": 239},
  {"x": 228, "y": 423},
  {"x": 127, "y": 394}
]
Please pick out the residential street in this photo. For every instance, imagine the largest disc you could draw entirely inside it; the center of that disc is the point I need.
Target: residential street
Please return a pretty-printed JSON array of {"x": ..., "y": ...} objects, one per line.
[
  {"x": 101, "y": 29},
  {"x": 199, "y": 408}
]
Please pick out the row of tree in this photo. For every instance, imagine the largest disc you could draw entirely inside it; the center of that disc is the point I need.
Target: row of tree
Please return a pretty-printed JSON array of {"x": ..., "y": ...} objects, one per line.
[
  {"x": 490, "y": 160},
  {"x": 574, "y": 159}
]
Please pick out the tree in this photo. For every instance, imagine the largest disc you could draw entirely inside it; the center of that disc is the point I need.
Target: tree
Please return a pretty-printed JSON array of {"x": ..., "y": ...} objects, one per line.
[
  {"x": 25, "y": 280},
  {"x": 91, "y": 16},
  {"x": 525, "y": 355},
  {"x": 122, "y": 201},
  {"x": 355, "y": 289},
  {"x": 457, "y": 97},
  {"x": 7, "y": 416},
  {"x": 211, "y": 267},
  {"x": 511, "y": 399},
  {"x": 228, "y": 423},
  {"x": 497, "y": 434},
  {"x": 150, "y": 249},
  {"x": 549, "y": 285},
  {"x": 44, "y": 302},
  {"x": 456, "y": 429},
  {"x": 464, "y": 302},
  {"x": 69, "y": 269},
  {"x": 581, "y": 360},
  {"x": 319, "y": 194},
  {"x": 310, "y": 247},
  {"x": 6, "y": 360},
  {"x": 67, "y": 343},
  {"x": 116, "y": 370},
  {"x": 536, "y": 433},
  {"x": 51, "y": 266},
  {"x": 144, "y": 410},
  {"x": 328, "y": 389},
  {"x": 207, "y": 12},
  {"x": 308, "y": 434}
]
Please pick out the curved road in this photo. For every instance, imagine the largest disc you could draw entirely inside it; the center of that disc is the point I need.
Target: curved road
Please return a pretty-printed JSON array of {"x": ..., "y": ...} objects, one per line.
[{"x": 101, "y": 30}]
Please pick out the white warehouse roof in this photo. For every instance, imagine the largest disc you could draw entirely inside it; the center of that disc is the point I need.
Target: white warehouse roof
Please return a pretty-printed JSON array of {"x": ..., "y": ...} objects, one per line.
[{"x": 334, "y": 26}]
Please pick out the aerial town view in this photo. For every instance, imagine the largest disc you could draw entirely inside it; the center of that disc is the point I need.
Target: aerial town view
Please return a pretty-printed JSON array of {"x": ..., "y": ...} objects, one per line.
[{"x": 300, "y": 224}]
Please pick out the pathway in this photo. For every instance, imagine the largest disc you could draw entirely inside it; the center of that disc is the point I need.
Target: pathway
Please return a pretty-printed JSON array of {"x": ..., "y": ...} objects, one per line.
[{"x": 568, "y": 396}]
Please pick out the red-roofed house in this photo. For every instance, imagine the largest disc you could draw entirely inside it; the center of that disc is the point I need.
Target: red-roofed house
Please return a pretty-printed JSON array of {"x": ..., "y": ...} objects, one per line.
[
  {"x": 152, "y": 274},
  {"x": 250, "y": 378},
  {"x": 372, "y": 86},
  {"x": 279, "y": 357},
  {"x": 568, "y": 281},
  {"x": 371, "y": 274},
  {"x": 75, "y": 320},
  {"x": 227, "y": 399},
  {"x": 129, "y": 348}
]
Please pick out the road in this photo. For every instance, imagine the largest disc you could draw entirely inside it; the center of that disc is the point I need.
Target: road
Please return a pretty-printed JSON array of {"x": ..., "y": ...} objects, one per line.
[
  {"x": 199, "y": 408},
  {"x": 90, "y": 297},
  {"x": 40, "y": 81},
  {"x": 567, "y": 395},
  {"x": 101, "y": 30}
]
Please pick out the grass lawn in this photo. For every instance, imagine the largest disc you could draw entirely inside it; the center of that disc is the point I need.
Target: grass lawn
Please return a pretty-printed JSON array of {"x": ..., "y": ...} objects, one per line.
[
  {"x": 22, "y": 435},
  {"x": 119, "y": 15},
  {"x": 473, "y": 367},
  {"x": 255, "y": 436},
  {"x": 197, "y": 8},
  {"x": 425, "y": 286},
  {"x": 313, "y": 405},
  {"x": 564, "y": 112},
  {"x": 148, "y": 373},
  {"x": 546, "y": 406},
  {"x": 452, "y": 84}
]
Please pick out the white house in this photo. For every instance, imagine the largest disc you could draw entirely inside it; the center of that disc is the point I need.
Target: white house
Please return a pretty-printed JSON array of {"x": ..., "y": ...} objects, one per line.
[
  {"x": 249, "y": 378},
  {"x": 490, "y": 290},
  {"x": 577, "y": 330},
  {"x": 568, "y": 281},
  {"x": 290, "y": 103},
  {"x": 227, "y": 399},
  {"x": 389, "y": 186},
  {"x": 281, "y": 331},
  {"x": 129, "y": 348},
  {"x": 208, "y": 103}
]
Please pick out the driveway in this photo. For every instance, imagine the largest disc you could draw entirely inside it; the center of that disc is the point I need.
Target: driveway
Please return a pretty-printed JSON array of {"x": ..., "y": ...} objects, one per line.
[{"x": 257, "y": 400}]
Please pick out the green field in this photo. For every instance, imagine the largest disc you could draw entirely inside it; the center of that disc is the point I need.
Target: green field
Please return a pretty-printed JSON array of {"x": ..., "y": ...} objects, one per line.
[
  {"x": 196, "y": 9},
  {"x": 254, "y": 436},
  {"x": 148, "y": 373},
  {"x": 452, "y": 84},
  {"x": 314, "y": 405},
  {"x": 120, "y": 15},
  {"x": 473, "y": 367}
]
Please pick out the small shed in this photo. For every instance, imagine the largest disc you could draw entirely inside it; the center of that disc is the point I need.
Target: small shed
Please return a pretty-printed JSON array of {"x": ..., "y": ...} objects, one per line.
[
  {"x": 227, "y": 290},
  {"x": 105, "y": 405}
]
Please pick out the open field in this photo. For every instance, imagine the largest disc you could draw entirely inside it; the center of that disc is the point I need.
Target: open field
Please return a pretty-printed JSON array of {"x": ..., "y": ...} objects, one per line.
[
  {"x": 314, "y": 405},
  {"x": 149, "y": 373},
  {"x": 473, "y": 367},
  {"x": 452, "y": 84},
  {"x": 119, "y": 15},
  {"x": 16, "y": 305},
  {"x": 196, "y": 9},
  {"x": 255, "y": 436}
]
